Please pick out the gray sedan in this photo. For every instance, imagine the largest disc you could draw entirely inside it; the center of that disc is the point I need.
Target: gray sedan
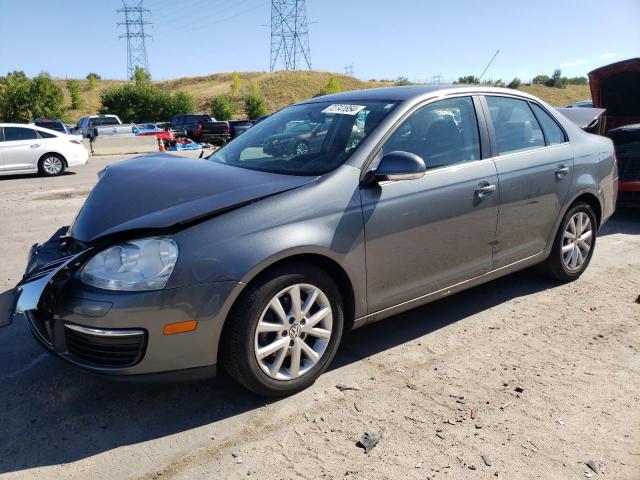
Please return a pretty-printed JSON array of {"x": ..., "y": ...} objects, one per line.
[{"x": 259, "y": 261}]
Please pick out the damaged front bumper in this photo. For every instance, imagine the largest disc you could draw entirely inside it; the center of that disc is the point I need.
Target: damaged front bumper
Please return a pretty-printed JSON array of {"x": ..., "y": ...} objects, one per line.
[{"x": 118, "y": 334}]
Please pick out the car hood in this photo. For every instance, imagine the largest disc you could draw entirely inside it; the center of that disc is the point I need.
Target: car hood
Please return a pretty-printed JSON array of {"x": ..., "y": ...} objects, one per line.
[{"x": 162, "y": 191}]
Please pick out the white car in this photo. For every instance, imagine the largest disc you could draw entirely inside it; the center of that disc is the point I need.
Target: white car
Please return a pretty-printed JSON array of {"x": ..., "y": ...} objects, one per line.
[{"x": 31, "y": 149}]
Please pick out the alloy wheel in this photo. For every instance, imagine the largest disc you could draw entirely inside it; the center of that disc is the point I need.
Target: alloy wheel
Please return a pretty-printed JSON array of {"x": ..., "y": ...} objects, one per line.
[
  {"x": 293, "y": 331},
  {"x": 302, "y": 149},
  {"x": 52, "y": 165},
  {"x": 576, "y": 241}
]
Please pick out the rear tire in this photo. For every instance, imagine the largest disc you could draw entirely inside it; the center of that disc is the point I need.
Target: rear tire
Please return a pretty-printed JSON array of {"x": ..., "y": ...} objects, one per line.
[
  {"x": 573, "y": 244},
  {"x": 301, "y": 345},
  {"x": 51, "y": 165}
]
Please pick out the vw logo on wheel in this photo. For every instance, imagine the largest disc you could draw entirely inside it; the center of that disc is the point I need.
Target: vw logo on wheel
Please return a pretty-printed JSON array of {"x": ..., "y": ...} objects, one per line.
[{"x": 294, "y": 331}]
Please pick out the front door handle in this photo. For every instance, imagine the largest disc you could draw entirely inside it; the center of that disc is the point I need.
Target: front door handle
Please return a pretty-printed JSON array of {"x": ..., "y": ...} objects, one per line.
[
  {"x": 485, "y": 188},
  {"x": 35, "y": 145},
  {"x": 561, "y": 171}
]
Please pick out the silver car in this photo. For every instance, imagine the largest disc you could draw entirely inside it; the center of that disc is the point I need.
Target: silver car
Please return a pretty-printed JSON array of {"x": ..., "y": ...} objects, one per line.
[{"x": 259, "y": 262}]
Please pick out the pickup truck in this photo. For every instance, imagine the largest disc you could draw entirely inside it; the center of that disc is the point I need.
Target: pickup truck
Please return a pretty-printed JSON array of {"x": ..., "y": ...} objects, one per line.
[
  {"x": 202, "y": 128},
  {"x": 93, "y": 126},
  {"x": 238, "y": 127}
]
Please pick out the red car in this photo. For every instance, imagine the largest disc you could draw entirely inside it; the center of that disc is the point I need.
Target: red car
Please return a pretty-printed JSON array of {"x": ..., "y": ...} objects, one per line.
[{"x": 616, "y": 88}]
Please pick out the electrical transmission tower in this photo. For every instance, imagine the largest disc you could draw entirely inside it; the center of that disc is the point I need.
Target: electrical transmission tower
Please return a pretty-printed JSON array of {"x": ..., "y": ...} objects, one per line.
[
  {"x": 289, "y": 35},
  {"x": 134, "y": 24},
  {"x": 348, "y": 70}
]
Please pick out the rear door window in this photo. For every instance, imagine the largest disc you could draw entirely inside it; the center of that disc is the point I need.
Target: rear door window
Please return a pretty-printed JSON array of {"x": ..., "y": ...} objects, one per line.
[
  {"x": 515, "y": 125},
  {"x": 15, "y": 134},
  {"x": 552, "y": 131}
]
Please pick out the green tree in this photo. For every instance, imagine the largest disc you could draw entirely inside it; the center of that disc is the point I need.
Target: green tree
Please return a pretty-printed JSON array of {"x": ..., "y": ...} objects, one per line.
[
  {"x": 254, "y": 104},
  {"x": 144, "y": 102},
  {"x": 73, "y": 86},
  {"x": 15, "y": 98},
  {"x": 577, "y": 81},
  {"x": 236, "y": 84},
  {"x": 515, "y": 83},
  {"x": 540, "y": 79},
  {"x": 47, "y": 98},
  {"x": 556, "y": 80},
  {"x": 402, "y": 81},
  {"x": 93, "y": 80},
  {"x": 469, "y": 79},
  {"x": 332, "y": 86},
  {"x": 222, "y": 107},
  {"x": 140, "y": 76}
]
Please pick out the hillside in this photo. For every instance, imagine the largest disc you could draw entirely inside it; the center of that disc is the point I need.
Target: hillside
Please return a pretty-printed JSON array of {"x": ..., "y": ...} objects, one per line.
[{"x": 285, "y": 87}]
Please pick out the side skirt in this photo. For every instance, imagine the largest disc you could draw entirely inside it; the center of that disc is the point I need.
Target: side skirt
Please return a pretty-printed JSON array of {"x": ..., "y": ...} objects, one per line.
[{"x": 445, "y": 292}]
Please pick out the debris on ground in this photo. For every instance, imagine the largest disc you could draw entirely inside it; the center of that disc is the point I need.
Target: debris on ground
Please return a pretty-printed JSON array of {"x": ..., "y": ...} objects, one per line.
[
  {"x": 559, "y": 421},
  {"x": 342, "y": 387},
  {"x": 593, "y": 466},
  {"x": 518, "y": 389},
  {"x": 638, "y": 299},
  {"x": 486, "y": 459},
  {"x": 478, "y": 426},
  {"x": 369, "y": 440},
  {"x": 412, "y": 386},
  {"x": 505, "y": 405},
  {"x": 357, "y": 407}
]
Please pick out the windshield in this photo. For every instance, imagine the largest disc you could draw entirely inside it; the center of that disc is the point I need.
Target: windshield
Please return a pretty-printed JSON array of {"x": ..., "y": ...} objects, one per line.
[{"x": 307, "y": 139}]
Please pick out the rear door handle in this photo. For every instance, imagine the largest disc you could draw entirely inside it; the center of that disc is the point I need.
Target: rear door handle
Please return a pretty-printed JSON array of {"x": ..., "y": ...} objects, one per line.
[
  {"x": 485, "y": 188},
  {"x": 561, "y": 171},
  {"x": 34, "y": 145}
]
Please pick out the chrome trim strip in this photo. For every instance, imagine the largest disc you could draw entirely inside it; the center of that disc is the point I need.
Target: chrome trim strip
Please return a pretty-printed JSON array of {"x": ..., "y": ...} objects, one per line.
[{"x": 100, "y": 332}]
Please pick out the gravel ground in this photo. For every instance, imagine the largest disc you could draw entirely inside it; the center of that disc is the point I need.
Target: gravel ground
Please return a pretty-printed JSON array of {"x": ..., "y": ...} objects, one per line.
[{"x": 539, "y": 378}]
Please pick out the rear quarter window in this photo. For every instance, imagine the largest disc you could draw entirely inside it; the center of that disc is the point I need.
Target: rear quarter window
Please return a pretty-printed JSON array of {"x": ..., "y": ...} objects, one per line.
[{"x": 552, "y": 131}]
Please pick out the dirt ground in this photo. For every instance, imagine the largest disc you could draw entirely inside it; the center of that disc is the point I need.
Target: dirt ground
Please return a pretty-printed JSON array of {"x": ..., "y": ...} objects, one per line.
[{"x": 537, "y": 377}]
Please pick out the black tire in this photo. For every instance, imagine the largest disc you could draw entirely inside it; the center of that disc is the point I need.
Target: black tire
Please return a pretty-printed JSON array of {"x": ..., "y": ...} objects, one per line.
[
  {"x": 238, "y": 351},
  {"x": 45, "y": 168},
  {"x": 554, "y": 266}
]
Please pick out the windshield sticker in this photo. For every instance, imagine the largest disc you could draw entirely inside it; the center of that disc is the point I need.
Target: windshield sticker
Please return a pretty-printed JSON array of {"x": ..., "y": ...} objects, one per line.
[{"x": 344, "y": 109}]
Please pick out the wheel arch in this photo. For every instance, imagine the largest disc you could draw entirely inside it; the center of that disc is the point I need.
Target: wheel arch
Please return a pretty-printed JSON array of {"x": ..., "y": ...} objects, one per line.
[{"x": 329, "y": 265}]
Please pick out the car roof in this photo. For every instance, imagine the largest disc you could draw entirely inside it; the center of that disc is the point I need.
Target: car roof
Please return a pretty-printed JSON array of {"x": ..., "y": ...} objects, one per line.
[
  {"x": 411, "y": 92},
  {"x": 31, "y": 126}
]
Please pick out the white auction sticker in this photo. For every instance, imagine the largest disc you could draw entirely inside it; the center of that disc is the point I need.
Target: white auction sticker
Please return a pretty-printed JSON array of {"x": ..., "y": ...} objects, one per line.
[{"x": 344, "y": 109}]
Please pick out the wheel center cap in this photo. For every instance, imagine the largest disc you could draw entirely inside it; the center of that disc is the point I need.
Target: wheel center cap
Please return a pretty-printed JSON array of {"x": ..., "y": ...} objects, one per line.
[{"x": 294, "y": 331}]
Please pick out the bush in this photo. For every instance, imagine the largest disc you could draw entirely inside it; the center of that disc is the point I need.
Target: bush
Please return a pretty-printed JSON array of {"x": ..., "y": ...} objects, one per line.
[
  {"x": 332, "y": 86},
  {"x": 222, "y": 107},
  {"x": 515, "y": 83},
  {"x": 254, "y": 104},
  {"x": 144, "y": 102},
  {"x": 236, "y": 84},
  {"x": 93, "y": 80},
  {"x": 402, "y": 81},
  {"x": 556, "y": 80},
  {"x": 540, "y": 80},
  {"x": 22, "y": 98},
  {"x": 73, "y": 86},
  {"x": 469, "y": 79}
]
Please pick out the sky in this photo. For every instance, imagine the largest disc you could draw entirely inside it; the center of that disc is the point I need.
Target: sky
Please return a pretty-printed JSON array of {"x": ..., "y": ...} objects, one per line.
[{"x": 382, "y": 39}]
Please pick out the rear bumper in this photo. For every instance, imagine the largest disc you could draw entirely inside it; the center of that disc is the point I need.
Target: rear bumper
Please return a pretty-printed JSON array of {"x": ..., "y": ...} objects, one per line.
[
  {"x": 77, "y": 158},
  {"x": 213, "y": 137},
  {"x": 629, "y": 194}
]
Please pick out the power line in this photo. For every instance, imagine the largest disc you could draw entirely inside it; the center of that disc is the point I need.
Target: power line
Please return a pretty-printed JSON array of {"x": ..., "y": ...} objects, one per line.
[
  {"x": 289, "y": 35},
  {"x": 134, "y": 24}
]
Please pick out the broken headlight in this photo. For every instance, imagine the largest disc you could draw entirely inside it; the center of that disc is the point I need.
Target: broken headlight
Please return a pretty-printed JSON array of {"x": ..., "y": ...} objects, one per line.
[{"x": 144, "y": 264}]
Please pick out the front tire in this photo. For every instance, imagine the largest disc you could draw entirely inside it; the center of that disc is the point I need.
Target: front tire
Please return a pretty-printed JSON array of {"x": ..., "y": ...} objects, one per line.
[
  {"x": 573, "y": 245},
  {"x": 284, "y": 331},
  {"x": 51, "y": 165}
]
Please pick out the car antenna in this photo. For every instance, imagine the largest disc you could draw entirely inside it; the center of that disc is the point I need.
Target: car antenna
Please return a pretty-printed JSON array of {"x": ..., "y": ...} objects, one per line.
[{"x": 488, "y": 65}]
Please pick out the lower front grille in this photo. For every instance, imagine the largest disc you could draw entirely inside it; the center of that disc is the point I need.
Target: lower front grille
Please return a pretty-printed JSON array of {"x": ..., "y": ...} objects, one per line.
[
  {"x": 106, "y": 348},
  {"x": 41, "y": 325}
]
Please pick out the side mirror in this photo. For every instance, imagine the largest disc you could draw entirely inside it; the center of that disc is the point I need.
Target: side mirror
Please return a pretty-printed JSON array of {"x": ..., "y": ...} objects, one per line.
[{"x": 396, "y": 166}]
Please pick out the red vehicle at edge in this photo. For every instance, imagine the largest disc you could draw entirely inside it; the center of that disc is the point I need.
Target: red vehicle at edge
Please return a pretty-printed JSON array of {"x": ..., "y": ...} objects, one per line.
[{"x": 616, "y": 87}]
